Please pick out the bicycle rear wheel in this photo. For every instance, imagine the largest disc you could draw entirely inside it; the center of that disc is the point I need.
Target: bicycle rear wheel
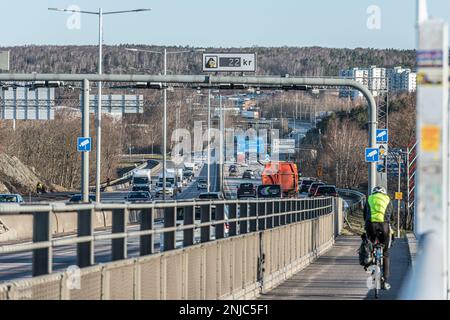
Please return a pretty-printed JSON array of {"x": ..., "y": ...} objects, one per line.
[{"x": 378, "y": 271}]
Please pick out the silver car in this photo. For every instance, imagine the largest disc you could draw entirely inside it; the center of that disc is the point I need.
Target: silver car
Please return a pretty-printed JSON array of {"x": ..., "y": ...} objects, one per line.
[{"x": 11, "y": 198}]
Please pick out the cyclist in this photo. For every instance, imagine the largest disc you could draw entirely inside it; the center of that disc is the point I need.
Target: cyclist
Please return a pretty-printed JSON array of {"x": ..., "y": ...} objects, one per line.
[{"x": 378, "y": 211}]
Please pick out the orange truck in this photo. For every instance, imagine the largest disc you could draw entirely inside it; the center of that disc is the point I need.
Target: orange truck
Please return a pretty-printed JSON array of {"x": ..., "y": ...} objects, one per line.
[{"x": 284, "y": 174}]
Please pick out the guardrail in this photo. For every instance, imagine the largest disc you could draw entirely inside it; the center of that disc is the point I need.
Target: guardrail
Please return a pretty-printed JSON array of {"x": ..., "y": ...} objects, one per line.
[
  {"x": 241, "y": 216},
  {"x": 127, "y": 175},
  {"x": 293, "y": 232},
  {"x": 359, "y": 204}
]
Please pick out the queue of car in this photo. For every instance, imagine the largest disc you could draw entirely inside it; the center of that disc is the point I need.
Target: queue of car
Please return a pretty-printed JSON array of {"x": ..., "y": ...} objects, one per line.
[{"x": 316, "y": 188}]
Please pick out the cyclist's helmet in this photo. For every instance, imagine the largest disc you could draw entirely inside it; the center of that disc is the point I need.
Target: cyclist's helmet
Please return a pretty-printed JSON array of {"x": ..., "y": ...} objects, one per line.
[{"x": 379, "y": 190}]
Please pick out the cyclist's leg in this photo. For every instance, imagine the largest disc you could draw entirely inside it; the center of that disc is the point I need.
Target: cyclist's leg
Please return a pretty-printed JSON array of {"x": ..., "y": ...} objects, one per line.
[
  {"x": 385, "y": 241},
  {"x": 371, "y": 231}
]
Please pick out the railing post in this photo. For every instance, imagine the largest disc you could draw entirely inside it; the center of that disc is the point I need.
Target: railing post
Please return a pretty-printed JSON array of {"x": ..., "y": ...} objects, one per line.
[
  {"x": 316, "y": 206},
  {"x": 253, "y": 213},
  {"x": 269, "y": 210},
  {"x": 85, "y": 250},
  {"x": 146, "y": 242},
  {"x": 276, "y": 210},
  {"x": 42, "y": 258},
  {"x": 188, "y": 219},
  {"x": 309, "y": 208},
  {"x": 283, "y": 211},
  {"x": 119, "y": 246},
  {"x": 232, "y": 213},
  {"x": 220, "y": 216},
  {"x": 262, "y": 209},
  {"x": 301, "y": 208},
  {"x": 205, "y": 216},
  {"x": 294, "y": 211},
  {"x": 288, "y": 210},
  {"x": 169, "y": 222},
  {"x": 243, "y": 214}
]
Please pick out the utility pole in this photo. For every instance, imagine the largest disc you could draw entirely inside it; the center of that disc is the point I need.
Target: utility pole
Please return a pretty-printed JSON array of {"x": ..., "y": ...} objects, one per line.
[
  {"x": 165, "y": 105},
  {"x": 99, "y": 107},
  {"x": 281, "y": 118},
  {"x": 85, "y": 134},
  {"x": 165, "y": 127},
  {"x": 222, "y": 134},
  {"x": 224, "y": 130},
  {"x": 399, "y": 162},
  {"x": 209, "y": 141},
  {"x": 98, "y": 126}
]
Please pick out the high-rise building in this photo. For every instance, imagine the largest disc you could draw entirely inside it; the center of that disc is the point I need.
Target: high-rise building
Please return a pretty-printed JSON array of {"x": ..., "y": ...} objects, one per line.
[
  {"x": 359, "y": 75},
  {"x": 402, "y": 79},
  {"x": 378, "y": 80}
]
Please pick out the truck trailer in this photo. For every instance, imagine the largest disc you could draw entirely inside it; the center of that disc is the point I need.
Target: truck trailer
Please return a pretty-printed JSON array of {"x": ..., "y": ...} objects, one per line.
[{"x": 284, "y": 174}]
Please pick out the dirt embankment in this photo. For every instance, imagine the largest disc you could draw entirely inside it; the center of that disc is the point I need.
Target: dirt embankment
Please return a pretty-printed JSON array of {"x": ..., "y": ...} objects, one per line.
[{"x": 16, "y": 177}]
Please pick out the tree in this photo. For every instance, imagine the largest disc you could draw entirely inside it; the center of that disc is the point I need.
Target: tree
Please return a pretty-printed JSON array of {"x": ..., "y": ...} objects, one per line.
[{"x": 343, "y": 158}]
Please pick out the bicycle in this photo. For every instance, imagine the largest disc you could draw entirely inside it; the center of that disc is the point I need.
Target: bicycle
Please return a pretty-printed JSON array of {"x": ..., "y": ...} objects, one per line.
[{"x": 377, "y": 267}]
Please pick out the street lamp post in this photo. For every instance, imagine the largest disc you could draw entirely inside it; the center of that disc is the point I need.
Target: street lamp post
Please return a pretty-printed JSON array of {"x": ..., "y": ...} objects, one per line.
[
  {"x": 399, "y": 162},
  {"x": 165, "y": 53},
  {"x": 222, "y": 144},
  {"x": 208, "y": 161},
  {"x": 98, "y": 124}
]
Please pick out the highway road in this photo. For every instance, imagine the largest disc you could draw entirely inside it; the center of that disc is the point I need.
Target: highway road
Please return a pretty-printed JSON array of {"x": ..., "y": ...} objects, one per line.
[
  {"x": 15, "y": 266},
  {"x": 19, "y": 265}
]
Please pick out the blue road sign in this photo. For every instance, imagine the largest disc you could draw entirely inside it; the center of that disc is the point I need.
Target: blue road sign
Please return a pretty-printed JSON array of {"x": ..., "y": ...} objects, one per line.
[
  {"x": 382, "y": 136},
  {"x": 84, "y": 144},
  {"x": 372, "y": 155}
]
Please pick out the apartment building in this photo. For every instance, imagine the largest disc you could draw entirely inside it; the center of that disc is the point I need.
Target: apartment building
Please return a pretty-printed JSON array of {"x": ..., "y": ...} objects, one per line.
[{"x": 378, "y": 80}]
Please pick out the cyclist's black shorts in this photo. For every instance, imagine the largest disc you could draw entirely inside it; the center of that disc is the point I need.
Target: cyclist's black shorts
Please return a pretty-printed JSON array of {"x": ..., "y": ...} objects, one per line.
[{"x": 379, "y": 230}]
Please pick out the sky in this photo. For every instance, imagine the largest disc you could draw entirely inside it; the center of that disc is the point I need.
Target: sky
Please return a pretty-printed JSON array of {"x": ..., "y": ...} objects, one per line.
[{"x": 219, "y": 23}]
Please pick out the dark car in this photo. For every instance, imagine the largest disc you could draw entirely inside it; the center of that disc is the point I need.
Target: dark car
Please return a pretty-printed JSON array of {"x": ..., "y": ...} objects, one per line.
[
  {"x": 138, "y": 196},
  {"x": 246, "y": 190},
  {"x": 79, "y": 198},
  {"x": 202, "y": 184},
  {"x": 188, "y": 174},
  {"x": 273, "y": 191},
  {"x": 304, "y": 187},
  {"x": 210, "y": 196},
  {"x": 313, "y": 188},
  {"x": 326, "y": 191},
  {"x": 233, "y": 171},
  {"x": 248, "y": 175}
]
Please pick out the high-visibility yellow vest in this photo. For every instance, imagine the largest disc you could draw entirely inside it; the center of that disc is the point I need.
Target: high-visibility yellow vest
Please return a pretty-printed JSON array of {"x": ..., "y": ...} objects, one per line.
[{"x": 378, "y": 203}]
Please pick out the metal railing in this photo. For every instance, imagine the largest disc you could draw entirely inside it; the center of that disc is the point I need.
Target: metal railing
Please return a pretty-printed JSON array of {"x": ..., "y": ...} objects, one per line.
[
  {"x": 353, "y": 207},
  {"x": 127, "y": 176},
  {"x": 213, "y": 220},
  {"x": 359, "y": 204}
]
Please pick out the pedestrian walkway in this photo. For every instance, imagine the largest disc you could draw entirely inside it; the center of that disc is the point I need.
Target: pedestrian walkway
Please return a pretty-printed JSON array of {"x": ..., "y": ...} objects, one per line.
[{"x": 338, "y": 275}]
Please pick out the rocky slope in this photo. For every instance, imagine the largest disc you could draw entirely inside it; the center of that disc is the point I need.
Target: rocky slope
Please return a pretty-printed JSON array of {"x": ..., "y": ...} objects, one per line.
[{"x": 15, "y": 177}]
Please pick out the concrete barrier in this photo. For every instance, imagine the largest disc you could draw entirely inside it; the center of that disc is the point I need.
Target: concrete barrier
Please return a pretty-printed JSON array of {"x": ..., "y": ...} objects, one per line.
[
  {"x": 20, "y": 227},
  {"x": 412, "y": 248}
]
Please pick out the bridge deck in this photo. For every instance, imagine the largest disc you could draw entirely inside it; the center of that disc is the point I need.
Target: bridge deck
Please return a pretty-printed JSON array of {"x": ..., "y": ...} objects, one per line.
[{"x": 338, "y": 275}]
